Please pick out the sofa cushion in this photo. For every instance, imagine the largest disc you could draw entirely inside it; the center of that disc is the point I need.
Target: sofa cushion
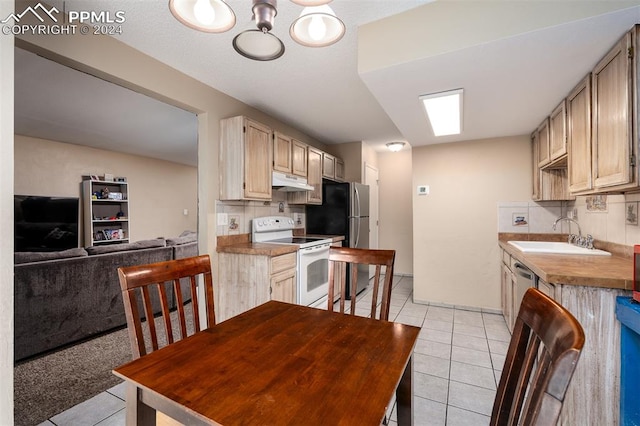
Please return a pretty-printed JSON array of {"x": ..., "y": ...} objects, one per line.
[
  {"x": 36, "y": 256},
  {"x": 138, "y": 245},
  {"x": 184, "y": 238}
]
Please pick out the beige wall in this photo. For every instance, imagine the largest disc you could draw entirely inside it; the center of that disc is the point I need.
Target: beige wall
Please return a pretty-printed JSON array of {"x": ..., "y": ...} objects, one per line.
[
  {"x": 455, "y": 250},
  {"x": 159, "y": 190},
  {"x": 6, "y": 222},
  {"x": 395, "y": 207}
]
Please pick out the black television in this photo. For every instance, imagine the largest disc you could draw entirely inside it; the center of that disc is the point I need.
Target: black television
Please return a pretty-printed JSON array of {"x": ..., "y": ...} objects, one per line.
[{"x": 46, "y": 223}]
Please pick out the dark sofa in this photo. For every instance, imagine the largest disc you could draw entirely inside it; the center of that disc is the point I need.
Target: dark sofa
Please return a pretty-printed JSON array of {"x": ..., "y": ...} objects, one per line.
[{"x": 65, "y": 297}]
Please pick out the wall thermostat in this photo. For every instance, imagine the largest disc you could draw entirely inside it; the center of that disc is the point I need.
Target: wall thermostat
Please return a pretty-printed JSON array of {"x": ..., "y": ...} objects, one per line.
[{"x": 423, "y": 189}]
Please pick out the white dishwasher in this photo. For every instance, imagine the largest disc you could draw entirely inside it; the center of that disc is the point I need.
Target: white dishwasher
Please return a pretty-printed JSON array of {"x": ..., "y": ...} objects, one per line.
[{"x": 525, "y": 278}]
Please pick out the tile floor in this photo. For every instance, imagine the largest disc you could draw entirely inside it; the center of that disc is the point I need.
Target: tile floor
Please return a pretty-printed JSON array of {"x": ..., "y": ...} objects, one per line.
[{"x": 457, "y": 363}]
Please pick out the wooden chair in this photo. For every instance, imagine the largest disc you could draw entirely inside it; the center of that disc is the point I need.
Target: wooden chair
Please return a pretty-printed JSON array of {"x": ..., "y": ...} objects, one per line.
[
  {"x": 137, "y": 283},
  {"x": 542, "y": 356},
  {"x": 340, "y": 257}
]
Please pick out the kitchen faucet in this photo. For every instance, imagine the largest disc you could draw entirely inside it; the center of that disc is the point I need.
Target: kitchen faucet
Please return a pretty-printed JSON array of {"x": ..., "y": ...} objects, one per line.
[
  {"x": 579, "y": 240},
  {"x": 569, "y": 220}
]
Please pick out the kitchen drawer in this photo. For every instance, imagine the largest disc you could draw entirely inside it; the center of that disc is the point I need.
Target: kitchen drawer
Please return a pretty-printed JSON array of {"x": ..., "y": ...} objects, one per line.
[
  {"x": 283, "y": 262},
  {"x": 506, "y": 259}
]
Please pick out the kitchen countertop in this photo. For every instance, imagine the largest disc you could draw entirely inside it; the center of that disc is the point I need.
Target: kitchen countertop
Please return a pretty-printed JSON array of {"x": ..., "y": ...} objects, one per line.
[
  {"x": 241, "y": 244},
  {"x": 615, "y": 271}
]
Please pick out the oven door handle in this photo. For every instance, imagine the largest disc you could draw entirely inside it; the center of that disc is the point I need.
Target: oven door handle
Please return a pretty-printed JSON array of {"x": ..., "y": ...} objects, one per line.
[{"x": 317, "y": 249}]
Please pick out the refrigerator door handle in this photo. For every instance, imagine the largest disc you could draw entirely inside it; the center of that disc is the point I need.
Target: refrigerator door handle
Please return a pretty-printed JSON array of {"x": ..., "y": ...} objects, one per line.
[
  {"x": 357, "y": 203},
  {"x": 358, "y": 232}
]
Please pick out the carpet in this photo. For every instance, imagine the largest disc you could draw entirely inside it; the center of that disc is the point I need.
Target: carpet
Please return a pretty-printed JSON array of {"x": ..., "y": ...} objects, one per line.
[
  {"x": 55, "y": 382},
  {"x": 51, "y": 384}
]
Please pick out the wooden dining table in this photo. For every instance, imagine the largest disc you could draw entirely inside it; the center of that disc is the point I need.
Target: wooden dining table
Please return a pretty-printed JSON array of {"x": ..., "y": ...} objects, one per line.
[{"x": 278, "y": 364}]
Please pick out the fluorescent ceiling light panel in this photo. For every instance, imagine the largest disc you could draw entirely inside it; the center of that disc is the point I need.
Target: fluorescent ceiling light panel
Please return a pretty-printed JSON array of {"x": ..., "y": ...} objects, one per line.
[{"x": 444, "y": 110}]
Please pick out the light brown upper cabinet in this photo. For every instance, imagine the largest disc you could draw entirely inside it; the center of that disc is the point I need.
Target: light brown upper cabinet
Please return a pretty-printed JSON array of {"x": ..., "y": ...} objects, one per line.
[
  {"x": 328, "y": 166},
  {"x": 246, "y": 152},
  {"x": 536, "y": 194},
  {"x": 339, "y": 169},
  {"x": 579, "y": 136},
  {"x": 314, "y": 178},
  {"x": 299, "y": 158},
  {"x": 558, "y": 133},
  {"x": 613, "y": 149},
  {"x": 543, "y": 143},
  {"x": 282, "y": 146}
]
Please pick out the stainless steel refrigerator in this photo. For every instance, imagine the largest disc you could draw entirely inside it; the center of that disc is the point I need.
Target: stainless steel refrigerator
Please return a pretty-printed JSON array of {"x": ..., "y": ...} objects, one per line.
[{"x": 344, "y": 211}]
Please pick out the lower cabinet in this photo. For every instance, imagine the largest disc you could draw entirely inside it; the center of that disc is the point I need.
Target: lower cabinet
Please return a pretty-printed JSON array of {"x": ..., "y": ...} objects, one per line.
[
  {"x": 248, "y": 280},
  {"x": 593, "y": 396}
]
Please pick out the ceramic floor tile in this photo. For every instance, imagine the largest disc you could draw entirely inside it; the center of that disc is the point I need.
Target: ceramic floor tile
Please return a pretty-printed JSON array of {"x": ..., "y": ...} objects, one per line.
[
  {"x": 117, "y": 419},
  {"x": 471, "y": 356},
  {"x": 459, "y": 417},
  {"x": 472, "y": 398},
  {"x": 431, "y": 365},
  {"x": 90, "y": 412},
  {"x": 119, "y": 390},
  {"x": 467, "y": 317},
  {"x": 498, "y": 347},
  {"x": 46, "y": 423},
  {"x": 435, "y": 335},
  {"x": 440, "y": 315},
  {"x": 428, "y": 413},
  {"x": 502, "y": 335},
  {"x": 472, "y": 375},
  {"x": 403, "y": 319},
  {"x": 438, "y": 325},
  {"x": 471, "y": 342},
  {"x": 428, "y": 347},
  {"x": 430, "y": 387},
  {"x": 497, "y": 361},
  {"x": 469, "y": 330}
]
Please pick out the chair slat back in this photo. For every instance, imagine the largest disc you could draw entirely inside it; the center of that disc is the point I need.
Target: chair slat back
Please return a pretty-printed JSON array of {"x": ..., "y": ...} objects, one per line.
[
  {"x": 544, "y": 350},
  {"x": 345, "y": 259},
  {"x": 141, "y": 283}
]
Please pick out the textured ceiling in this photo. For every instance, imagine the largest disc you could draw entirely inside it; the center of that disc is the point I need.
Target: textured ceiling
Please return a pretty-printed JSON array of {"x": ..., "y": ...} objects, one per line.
[{"x": 511, "y": 83}]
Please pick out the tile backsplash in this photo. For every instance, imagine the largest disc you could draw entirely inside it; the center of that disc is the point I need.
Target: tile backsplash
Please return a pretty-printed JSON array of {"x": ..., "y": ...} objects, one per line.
[
  {"x": 612, "y": 221},
  {"x": 239, "y": 214}
]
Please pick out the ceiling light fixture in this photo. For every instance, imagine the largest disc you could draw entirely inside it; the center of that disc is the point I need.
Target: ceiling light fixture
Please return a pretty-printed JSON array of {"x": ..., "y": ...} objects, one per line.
[
  {"x": 317, "y": 25},
  {"x": 444, "y": 110},
  {"x": 211, "y": 16},
  {"x": 395, "y": 146}
]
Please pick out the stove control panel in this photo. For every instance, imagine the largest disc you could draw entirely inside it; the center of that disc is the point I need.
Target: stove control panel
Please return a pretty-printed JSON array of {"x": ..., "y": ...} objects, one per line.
[{"x": 272, "y": 223}]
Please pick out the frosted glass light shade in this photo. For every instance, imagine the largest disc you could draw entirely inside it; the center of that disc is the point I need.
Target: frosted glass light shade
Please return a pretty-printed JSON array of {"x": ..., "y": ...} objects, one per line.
[
  {"x": 210, "y": 16},
  {"x": 395, "y": 146},
  {"x": 307, "y": 3},
  {"x": 258, "y": 45},
  {"x": 317, "y": 27}
]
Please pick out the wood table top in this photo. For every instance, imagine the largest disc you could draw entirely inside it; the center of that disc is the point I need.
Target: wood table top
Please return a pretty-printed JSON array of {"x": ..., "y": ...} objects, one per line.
[{"x": 281, "y": 364}]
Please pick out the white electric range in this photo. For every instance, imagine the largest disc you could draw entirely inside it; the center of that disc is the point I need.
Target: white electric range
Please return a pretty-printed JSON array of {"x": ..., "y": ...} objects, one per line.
[{"x": 313, "y": 256}]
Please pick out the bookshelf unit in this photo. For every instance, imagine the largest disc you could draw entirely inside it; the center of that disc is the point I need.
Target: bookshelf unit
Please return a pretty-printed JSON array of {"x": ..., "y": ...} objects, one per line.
[{"x": 106, "y": 212}]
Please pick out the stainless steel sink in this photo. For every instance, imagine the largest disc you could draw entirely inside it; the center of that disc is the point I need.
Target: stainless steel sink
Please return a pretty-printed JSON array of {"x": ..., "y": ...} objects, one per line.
[{"x": 553, "y": 247}]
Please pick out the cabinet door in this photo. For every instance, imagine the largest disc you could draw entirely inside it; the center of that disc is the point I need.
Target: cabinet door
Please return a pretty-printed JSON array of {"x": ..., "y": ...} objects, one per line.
[
  {"x": 558, "y": 132},
  {"x": 257, "y": 167},
  {"x": 283, "y": 286},
  {"x": 339, "y": 169},
  {"x": 315, "y": 176},
  {"x": 543, "y": 143},
  {"x": 328, "y": 166},
  {"x": 507, "y": 295},
  {"x": 612, "y": 118},
  {"x": 299, "y": 156},
  {"x": 282, "y": 146},
  {"x": 579, "y": 136},
  {"x": 536, "y": 193},
  {"x": 546, "y": 288}
]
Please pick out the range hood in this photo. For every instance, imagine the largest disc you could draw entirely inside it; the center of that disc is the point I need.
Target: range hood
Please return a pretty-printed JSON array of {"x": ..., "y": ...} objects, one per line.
[{"x": 290, "y": 183}]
